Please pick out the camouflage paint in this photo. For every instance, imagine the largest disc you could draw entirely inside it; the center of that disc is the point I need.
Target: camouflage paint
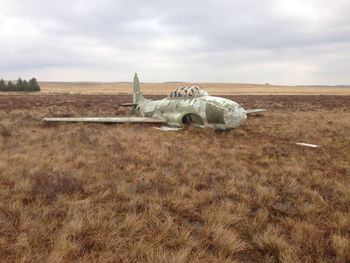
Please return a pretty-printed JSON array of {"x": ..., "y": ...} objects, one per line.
[
  {"x": 201, "y": 110},
  {"x": 185, "y": 105}
]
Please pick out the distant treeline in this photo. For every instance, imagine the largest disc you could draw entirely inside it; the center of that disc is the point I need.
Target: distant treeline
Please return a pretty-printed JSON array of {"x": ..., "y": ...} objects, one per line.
[{"x": 20, "y": 85}]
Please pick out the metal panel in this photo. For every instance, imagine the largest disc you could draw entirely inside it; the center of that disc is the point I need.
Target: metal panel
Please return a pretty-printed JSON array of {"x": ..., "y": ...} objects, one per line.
[{"x": 107, "y": 119}]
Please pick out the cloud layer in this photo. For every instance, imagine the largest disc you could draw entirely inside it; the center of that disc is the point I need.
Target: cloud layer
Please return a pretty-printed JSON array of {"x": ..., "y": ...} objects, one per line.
[{"x": 254, "y": 41}]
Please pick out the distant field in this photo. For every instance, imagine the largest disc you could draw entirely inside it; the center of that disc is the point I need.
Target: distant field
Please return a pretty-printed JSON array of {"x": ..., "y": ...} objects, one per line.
[{"x": 166, "y": 88}]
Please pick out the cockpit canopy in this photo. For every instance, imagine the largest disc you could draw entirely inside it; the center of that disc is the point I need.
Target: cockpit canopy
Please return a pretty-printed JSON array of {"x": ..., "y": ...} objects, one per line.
[{"x": 191, "y": 91}]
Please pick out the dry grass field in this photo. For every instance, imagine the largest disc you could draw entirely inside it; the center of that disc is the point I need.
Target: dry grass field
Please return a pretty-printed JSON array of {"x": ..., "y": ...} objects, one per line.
[
  {"x": 166, "y": 88},
  {"x": 130, "y": 193}
]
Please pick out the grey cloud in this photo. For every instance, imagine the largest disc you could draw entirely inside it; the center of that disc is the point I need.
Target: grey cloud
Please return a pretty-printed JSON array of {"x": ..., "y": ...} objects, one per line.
[{"x": 204, "y": 40}]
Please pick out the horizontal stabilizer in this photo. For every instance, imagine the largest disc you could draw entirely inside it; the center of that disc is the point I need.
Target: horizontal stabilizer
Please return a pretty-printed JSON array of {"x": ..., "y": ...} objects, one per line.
[
  {"x": 254, "y": 111},
  {"x": 106, "y": 119}
]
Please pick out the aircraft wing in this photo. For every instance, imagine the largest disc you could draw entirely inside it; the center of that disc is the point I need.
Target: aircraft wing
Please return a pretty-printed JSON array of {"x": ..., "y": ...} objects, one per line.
[
  {"x": 254, "y": 111},
  {"x": 106, "y": 119}
]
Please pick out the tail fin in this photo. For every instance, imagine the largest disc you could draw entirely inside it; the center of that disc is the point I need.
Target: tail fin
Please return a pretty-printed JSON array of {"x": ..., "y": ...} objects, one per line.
[{"x": 137, "y": 98}]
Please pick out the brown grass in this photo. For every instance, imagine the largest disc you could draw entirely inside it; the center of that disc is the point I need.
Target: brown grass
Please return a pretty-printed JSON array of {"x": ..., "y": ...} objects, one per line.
[
  {"x": 130, "y": 193},
  {"x": 166, "y": 88}
]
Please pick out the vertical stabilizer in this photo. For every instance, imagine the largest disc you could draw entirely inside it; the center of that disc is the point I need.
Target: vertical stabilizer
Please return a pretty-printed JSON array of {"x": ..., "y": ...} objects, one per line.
[{"x": 137, "y": 98}]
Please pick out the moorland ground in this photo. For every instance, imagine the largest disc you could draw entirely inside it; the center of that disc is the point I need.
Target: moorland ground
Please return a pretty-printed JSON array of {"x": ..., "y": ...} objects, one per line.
[
  {"x": 130, "y": 193},
  {"x": 212, "y": 88}
]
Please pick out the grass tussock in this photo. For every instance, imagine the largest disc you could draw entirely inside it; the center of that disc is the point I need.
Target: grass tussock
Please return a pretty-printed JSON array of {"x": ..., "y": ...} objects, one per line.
[{"x": 130, "y": 193}]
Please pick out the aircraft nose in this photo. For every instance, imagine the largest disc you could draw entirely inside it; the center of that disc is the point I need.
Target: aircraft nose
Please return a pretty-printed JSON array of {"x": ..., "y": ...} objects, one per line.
[{"x": 236, "y": 116}]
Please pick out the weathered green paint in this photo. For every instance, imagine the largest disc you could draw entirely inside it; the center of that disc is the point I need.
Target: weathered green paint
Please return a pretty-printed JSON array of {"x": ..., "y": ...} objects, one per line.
[
  {"x": 214, "y": 114},
  {"x": 185, "y": 105},
  {"x": 190, "y": 105},
  {"x": 137, "y": 96}
]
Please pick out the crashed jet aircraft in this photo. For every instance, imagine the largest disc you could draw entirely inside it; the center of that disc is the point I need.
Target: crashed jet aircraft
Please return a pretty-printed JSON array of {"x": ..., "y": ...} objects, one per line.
[{"x": 184, "y": 106}]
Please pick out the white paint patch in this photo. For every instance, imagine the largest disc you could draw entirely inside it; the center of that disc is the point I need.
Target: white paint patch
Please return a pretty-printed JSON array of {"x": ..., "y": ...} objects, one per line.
[
  {"x": 307, "y": 144},
  {"x": 165, "y": 128}
]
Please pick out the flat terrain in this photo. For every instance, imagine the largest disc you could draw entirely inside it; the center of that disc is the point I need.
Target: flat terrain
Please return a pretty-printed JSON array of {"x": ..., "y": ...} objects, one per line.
[
  {"x": 130, "y": 193},
  {"x": 212, "y": 88}
]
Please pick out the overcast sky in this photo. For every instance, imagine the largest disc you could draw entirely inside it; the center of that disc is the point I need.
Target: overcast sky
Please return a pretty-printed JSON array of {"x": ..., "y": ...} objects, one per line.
[{"x": 250, "y": 41}]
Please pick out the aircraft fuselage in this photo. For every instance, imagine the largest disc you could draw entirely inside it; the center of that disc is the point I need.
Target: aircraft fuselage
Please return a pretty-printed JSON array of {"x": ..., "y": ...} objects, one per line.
[{"x": 205, "y": 111}]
